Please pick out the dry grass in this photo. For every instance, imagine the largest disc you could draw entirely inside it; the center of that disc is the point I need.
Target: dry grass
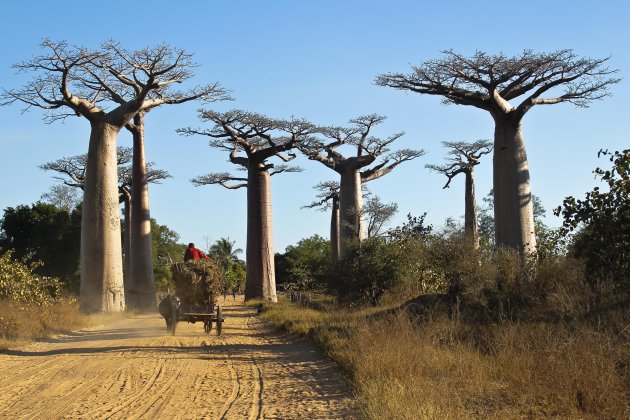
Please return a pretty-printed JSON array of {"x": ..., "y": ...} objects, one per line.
[
  {"x": 443, "y": 368},
  {"x": 21, "y": 323}
]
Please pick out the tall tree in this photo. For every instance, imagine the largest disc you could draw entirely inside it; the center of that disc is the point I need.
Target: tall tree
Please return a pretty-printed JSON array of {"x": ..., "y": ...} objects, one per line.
[
  {"x": 142, "y": 287},
  {"x": 376, "y": 213},
  {"x": 490, "y": 82},
  {"x": 94, "y": 84},
  {"x": 72, "y": 174},
  {"x": 461, "y": 159},
  {"x": 328, "y": 199},
  {"x": 356, "y": 169},
  {"x": 72, "y": 170},
  {"x": 259, "y": 138},
  {"x": 486, "y": 217}
]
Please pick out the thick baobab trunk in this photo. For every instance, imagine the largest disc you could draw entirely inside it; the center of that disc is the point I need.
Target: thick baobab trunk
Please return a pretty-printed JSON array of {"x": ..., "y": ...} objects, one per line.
[
  {"x": 126, "y": 241},
  {"x": 142, "y": 291},
  {"x": 334, "y": 228},
  {"x": 513, "y": 205},
  {"x": 101, "y": 253},
  {"x": 261, "y": 278},
  {"x": 470, "y": 215},
  {"x": 350, "y": 209}
]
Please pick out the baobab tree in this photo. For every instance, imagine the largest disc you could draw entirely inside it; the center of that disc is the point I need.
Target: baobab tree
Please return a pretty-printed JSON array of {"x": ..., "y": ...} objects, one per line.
[
  {"x": 328, "y": 199},
  {"x": 376, "y": 213},
  {"x": 141, "y": 292},
  {"x": 94, "y": 84},
  {"x": 355, "y": 170},
  {"x": 490, "y": 82},
  {"x": 72, "y": 170},
  {"x": 259, "y": 138},
  {"x": 462, "y": 159}
]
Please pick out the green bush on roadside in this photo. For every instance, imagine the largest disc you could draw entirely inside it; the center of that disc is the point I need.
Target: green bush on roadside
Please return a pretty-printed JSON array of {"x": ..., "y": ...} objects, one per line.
[{"x": 18, "y": 281}]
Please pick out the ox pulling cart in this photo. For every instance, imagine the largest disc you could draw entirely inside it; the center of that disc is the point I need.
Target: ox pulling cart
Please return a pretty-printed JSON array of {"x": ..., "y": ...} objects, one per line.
[{"x": 196, "y": 287}]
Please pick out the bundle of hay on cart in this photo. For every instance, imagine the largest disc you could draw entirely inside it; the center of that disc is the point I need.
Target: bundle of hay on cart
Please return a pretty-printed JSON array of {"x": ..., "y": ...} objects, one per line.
[{"x": 197, "y": 284}]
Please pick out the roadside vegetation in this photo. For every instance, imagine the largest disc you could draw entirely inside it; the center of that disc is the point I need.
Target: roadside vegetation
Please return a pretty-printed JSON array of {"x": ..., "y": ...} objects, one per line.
[
  {"x": 428, "y": 326},
  {"x": 39, "y": 285},
  {"x": 35, "y": 307},
  {"x": 498, "y": 317},
  {"x": 406, "y": 366}
]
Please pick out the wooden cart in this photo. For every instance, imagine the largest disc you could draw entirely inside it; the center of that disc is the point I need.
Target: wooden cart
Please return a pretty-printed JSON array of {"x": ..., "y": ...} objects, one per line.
[
  {"x": 194, "y": 299},
  {"x": 174, "y": 311}
]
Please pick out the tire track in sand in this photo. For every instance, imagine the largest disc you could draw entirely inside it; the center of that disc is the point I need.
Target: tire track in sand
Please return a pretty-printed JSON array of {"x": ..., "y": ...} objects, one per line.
[
  {"x": 134, "y": 369},
  {"x": 236, "y": 385},
  {"x": 111, "y": 409}
]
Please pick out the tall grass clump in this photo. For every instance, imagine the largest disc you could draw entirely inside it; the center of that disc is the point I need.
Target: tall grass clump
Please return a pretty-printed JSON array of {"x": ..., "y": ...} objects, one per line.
[
  {"x": 438, "y": 329},
  {"x": 32, "y": 306}
]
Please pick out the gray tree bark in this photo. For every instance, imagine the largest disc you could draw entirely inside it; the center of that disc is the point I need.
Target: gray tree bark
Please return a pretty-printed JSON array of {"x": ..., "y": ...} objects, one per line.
[
  {"x": 142, "y": 290},
  {"x": 101, "y": 262},
  {"x": 513, "y": 204},
  {"x": 126, "y": 242},
  {"x": 334, "y": 229},
  {"x": 261, "y": 278},
  {"x": 471, "y": 228},
  {"x": 350, "y": 207}
]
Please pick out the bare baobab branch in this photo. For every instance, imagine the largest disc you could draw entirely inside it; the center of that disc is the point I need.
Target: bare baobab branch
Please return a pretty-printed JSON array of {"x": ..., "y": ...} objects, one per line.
[
  {"x": 73, "y": 169},
  {"x": 389, "y": 163},
  {"x": 220, "y": 178},
  {"x": 493, "y": 83},
  {"x": 327, "y": 191},
  {"x": 252, "y": 139},
  {"x": 110, "y": 87},
  {"x": 355, "y": 169},
  {"x": 462, "y": 157}
]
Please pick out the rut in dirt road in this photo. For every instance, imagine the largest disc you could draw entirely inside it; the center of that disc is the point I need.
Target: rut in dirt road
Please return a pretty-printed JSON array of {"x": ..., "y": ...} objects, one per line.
[{"x": 134, "y": 369}]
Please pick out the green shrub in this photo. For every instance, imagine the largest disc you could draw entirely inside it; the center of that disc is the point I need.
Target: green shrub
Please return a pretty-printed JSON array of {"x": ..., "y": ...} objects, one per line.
[
  {"x": 368, "y": 271},
  {"x": 19, "y": 282},
  {"x": 305, "y": 265},
  {"x": 602, "y": 220}
]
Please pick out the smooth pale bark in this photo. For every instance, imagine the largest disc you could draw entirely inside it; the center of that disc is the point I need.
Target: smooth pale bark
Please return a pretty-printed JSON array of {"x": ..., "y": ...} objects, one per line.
[
  {"x": 101, "y": 262},
  {"x": 126, "y": 199},
  {"x": 260, "y": 279},
  {"x": 142, "y": 292},
  {"x": 350, "y": 208},
  {"x": 334, "y": 228},
  {"x": 471, "y": 228},
  {"x": 513, "y": 205}
]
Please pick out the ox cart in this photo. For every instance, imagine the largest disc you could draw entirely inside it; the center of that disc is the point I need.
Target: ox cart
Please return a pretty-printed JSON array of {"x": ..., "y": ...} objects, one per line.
[
  {"x": 174, "y": 310},
  {"x": 196, "y": 287}
]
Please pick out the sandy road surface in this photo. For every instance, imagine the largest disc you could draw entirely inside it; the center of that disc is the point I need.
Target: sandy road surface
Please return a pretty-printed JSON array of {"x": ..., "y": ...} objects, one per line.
[{"x": 134, "y": 369}]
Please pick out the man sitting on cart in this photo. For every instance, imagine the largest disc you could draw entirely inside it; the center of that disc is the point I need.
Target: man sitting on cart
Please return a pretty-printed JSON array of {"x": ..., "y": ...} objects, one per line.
[{"x": 194, "y": 254}]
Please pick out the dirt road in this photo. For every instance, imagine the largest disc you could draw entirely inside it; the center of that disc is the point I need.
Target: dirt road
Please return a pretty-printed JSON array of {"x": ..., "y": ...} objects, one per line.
[{"x": 134, "y": 369}]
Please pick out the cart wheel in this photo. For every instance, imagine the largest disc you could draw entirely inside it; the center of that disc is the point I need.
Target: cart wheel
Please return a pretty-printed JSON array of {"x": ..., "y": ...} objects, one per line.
[
  {"x": 207, "y": 326},
  {"x": 219, "y": 320},
  {"x": 173, "y": 317}
]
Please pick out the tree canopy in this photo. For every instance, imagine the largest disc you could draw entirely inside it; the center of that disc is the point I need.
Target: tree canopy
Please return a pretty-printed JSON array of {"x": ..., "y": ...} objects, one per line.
[
  {"x": 491, "y": 81},
  {"x": 602, "y": 222}
]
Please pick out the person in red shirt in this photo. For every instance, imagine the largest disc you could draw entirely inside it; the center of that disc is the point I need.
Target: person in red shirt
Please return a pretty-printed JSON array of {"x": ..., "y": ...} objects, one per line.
[{"x": 194, "y": 254}]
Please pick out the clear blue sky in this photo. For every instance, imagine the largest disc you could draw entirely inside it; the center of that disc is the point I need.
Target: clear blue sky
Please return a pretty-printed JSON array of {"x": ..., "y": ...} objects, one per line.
[{"x": 318, "y": 60}]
